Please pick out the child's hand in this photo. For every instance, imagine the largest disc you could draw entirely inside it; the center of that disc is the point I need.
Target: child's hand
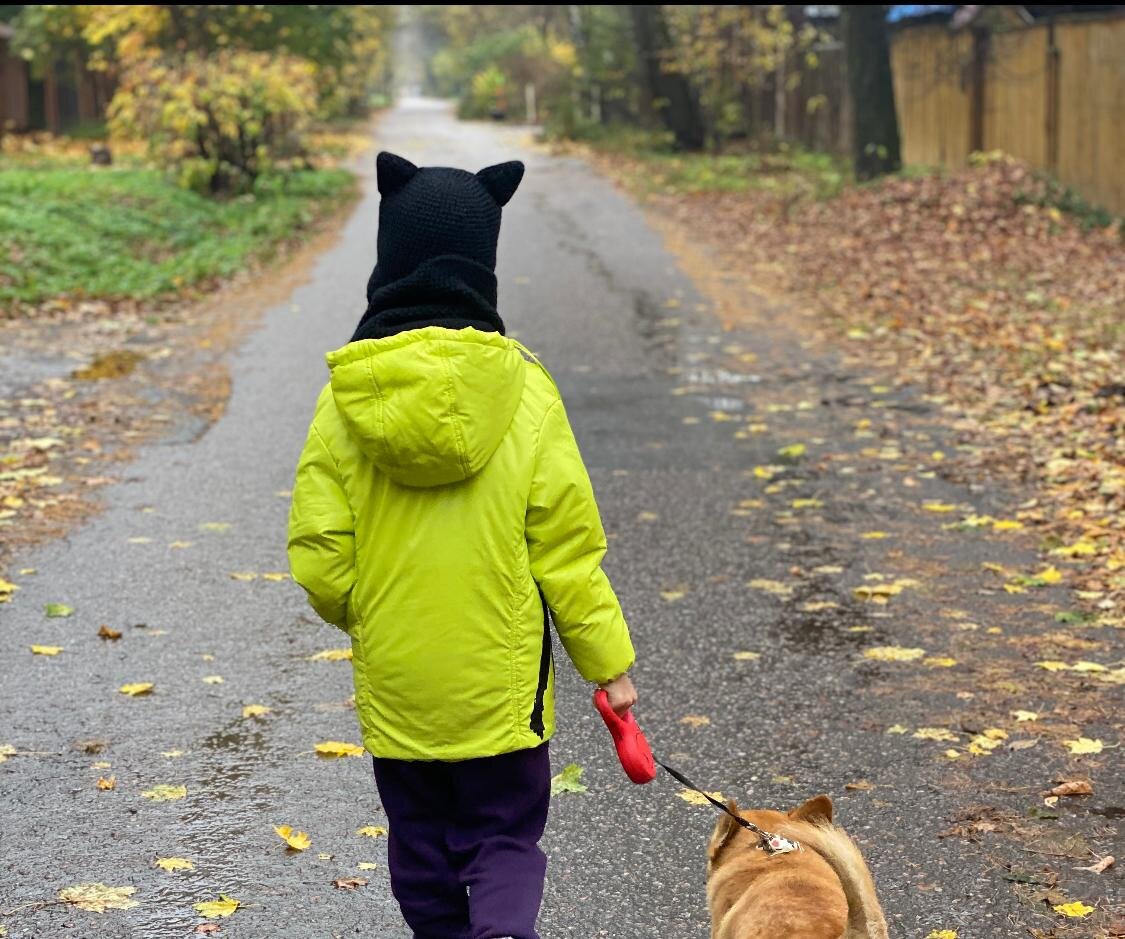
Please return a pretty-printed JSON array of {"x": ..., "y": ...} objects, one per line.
[{"x": 622, "y": 694}]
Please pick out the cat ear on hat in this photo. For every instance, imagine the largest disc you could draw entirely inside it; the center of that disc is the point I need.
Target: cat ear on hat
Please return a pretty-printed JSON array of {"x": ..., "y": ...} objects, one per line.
[
  {"x": 392, "y": 172},
  {"x": 502, "y": 180}
]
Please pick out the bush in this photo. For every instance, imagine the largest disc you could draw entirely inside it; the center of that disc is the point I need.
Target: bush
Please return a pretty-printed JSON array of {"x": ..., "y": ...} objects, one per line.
[{"x": 219, "y": 121}]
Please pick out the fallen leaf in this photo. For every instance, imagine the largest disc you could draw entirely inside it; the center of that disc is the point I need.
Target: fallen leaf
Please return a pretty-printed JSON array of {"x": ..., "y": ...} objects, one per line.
[
  {"x": 893, "y": 654},
  {"x": 215, "y": 526},
  {"x": 935, "y": 733},
  {"x": 1071, "y": 787},
  {"x": 336, "y": 748},
  {"x": 333, "y": 655},
  {"x": 1075, "y": 909},
  {"x": 775, "y": 587},
  {"x": 372, "y": 831},
  {"x": 1083, "y": 745},
  {"x": 1053, "y": 666},
  {"x": 939, "y": 661},
  {"x": 325, "y": 856},
  {"x": 56, "y": 610},
  {"x": 164, "y": 793},
  {"x": 97, "y": 897},
  {"x": 569, "y": 780},
  {"x": 367, "y": 866},
  {"x": 941, "y": 507},
  {"x": 46, "y": 650},
  {"x": 171, "y": 864},
  {"x": 807, "y": 504},
  {"x": 1022, "y": 744},
  {"x": 6, "y": 590},
  {"x": 275, "y": 576},
  {"x": 1022, "y": 716},
  {"x": 208, "y": 929},
  {"x": 896, "y": 729},
  {"x": 816, "y": 606},
  {"x": 243, "y": 575},
  {"x": 1101, "y": 866},
  {"x": 255, "y": 710},
  {"x": 861, "y": 785},
  {"x": 171, "y": 754},
  {"x": 104, "y": 632},
  {"x": 792, "y": 452},
  {"x": 671, "y": 596},
  {"x": 747, "y": 656},
  {"x": 137, "y": 688},
  {"x": 1088, "y": 667},
  {"x": 296, "y": 840},
  {"x": 874, "y": 535},
  {"x": 349, "y": 883},
  {"x": 214, "y": 909},
  {"x": 943, "y": 934},
  {"x": 180, "y": 545},
  {"x": 695, "y": 720},
  {"x": 692, "y": 797},
  {"x": 212, "y": 680},
  {"x": 106, "y": 783}
]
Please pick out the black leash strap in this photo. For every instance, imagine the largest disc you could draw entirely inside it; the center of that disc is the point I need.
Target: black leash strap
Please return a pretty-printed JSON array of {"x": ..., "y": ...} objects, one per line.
[{"x": 770, "y": 843}]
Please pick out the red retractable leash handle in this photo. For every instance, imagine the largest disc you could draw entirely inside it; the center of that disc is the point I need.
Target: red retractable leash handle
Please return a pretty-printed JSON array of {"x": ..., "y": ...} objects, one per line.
[{"x": 632, "y": 747}]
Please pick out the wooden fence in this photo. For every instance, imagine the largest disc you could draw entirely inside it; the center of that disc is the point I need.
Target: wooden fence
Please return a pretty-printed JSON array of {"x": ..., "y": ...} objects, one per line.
[{"x": 1052, "y": 94}]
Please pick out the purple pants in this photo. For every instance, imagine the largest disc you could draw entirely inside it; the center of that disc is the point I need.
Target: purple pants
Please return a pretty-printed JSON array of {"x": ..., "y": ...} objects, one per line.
[{"x": 464, "y": 849}]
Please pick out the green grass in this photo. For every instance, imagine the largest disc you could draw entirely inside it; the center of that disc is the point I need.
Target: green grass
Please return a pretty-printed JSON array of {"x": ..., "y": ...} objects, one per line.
[
  {"x": 786, "y": 170},
  {"x": 129, "y": 232}
]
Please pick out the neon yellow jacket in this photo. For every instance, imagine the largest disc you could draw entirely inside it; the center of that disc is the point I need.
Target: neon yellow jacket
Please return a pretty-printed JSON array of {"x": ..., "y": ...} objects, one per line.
[{"x": 441, "y": 509}]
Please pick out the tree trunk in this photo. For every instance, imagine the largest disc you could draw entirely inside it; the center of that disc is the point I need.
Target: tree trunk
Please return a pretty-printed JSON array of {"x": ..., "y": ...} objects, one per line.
[
  {"x": 671, "y": 94},
  {"x": 875, "y": 140}
]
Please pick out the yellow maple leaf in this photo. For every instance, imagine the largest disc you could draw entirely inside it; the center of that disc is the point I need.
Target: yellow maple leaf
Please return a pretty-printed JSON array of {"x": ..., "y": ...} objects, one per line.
[
  {"x": 1053, "y": 666},
  {"x": 333, "y": 655},
  {"x": 1006, "y": 524},
  {"x": 372, "y": 831},
  {"x": 938, "y": 507},
  {"x": 297, "y": 840},
  {"x": 7, "y": 750},
  {"x": 335, "y": 748},
  {"x": 893, "y": 654},
  {"x": 1075, "y": 909},
  {"x": 897, "y": 729},
  {"x": 106, "y": 783},
  {"x": 1050, "y": 575},
  {"x": 6, "y": 590},
  {"x": 214, "y": 909},
  {"x": 137, "y": 688},
  {"x": 939, "y": 661},
  {"x": 1084, "y": 745},
  {"x": 1088, "y": 667},
  {"x": 164, "y": 793},
  {"x": 367, "y": 866},
  {"x": 943, "y": 934},
  {"x": 1021, "y": 716},
  {"x": 792, "y": 452},
  {"x": 46, "y": 650},
  {"x": 1081, "y": 548},
  {"x": 935, "y": 733},
  {"x": 695, "y": 720},
  {"x": 275, "y": 576},
  {"x": 776, "y": 587},
  {"x": 874, "y": 535},
  {"x": 692, "y": 797},
  {"x": 815, "y": 606},
  {"x": 97, "y": 897},
  {"x": 255, "y": 710},
  {"x": 807, "y": 504},
  {"x": 171, "y": 864},
  {"x": 213, "y": 680}
]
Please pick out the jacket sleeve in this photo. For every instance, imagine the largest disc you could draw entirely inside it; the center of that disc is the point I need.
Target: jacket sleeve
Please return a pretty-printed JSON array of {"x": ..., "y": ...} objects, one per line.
[
  {"x": 322, "y": 533},
  {"x": 566, "y": 545}
]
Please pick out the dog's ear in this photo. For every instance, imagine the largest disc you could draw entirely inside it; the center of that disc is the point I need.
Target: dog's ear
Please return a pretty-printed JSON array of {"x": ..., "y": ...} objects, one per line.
[
  {"x": 502, "y": 180},
  {"x": 818, "y": 810},
  {"x": 725, "y": 830},
  {"x": 392, "y": 172}
]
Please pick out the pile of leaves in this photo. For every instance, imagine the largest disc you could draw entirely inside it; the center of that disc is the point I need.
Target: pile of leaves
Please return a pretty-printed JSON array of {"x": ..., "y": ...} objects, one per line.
[{"x": 976, "y": 284}]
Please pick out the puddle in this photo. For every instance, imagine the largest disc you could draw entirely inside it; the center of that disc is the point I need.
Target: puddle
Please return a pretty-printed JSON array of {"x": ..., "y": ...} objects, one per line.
[{"x": 116, "y": 364}]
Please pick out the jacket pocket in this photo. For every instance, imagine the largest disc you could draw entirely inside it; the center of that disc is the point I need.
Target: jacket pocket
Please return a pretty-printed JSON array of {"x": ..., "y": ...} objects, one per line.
[{"x": 536, "y": 721}]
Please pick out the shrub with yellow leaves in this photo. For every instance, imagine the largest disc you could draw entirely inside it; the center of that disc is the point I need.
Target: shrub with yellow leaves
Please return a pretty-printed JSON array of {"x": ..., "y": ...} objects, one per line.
[{"x": 217, "y": 121}]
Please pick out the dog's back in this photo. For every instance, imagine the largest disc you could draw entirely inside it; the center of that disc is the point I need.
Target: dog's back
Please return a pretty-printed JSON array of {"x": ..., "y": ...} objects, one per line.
[{"x": 824, "y": 891}]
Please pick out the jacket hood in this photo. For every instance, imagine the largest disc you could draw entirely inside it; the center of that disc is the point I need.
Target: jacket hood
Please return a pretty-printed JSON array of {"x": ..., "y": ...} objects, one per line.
[{"x": 428, "y": 406}]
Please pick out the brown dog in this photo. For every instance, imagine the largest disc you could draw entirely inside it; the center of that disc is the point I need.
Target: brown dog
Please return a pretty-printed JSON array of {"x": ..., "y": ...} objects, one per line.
[{"x": 823, "y": 891}]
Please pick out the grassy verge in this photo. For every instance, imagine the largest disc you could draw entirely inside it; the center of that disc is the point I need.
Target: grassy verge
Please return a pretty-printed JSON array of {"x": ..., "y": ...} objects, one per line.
[
  {"x": 127, "y": 232},
  {"x": 650, "y": 164}
]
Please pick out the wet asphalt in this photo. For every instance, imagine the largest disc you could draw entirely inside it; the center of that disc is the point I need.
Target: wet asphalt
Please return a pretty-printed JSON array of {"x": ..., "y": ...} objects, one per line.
[{"x": 644, "y": 369}]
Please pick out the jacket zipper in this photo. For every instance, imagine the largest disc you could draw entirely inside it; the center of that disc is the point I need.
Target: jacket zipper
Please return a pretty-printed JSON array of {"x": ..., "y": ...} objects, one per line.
[{"x": 536, "y": 722}]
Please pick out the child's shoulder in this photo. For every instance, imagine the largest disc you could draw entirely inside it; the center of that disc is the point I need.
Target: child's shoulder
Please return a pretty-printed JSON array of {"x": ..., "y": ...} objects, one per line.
[{"x": 539, "y": 388}]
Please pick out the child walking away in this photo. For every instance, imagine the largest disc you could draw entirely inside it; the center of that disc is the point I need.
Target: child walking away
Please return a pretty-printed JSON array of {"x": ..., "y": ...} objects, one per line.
[{"x": 442, "y": 517}]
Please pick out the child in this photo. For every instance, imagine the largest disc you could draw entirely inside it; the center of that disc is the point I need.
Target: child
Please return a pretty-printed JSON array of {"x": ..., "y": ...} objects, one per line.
[{"x": 442, "y": 517}]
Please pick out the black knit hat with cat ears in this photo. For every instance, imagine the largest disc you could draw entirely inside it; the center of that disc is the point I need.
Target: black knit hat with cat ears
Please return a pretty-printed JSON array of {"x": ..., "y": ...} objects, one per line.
[{"x": 438, "y": 230}]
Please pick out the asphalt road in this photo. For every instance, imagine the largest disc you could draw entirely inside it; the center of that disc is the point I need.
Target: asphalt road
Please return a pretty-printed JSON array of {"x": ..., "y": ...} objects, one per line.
[{"x": 589, "y": 285}]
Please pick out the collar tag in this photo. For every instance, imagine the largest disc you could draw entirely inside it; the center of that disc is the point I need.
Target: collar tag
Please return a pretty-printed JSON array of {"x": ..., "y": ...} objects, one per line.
[{"x": 778, "y": 844}]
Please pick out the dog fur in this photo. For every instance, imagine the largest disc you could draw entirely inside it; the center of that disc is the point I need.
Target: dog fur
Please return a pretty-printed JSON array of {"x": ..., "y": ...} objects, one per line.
[{"x": 823, "y": 891}]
